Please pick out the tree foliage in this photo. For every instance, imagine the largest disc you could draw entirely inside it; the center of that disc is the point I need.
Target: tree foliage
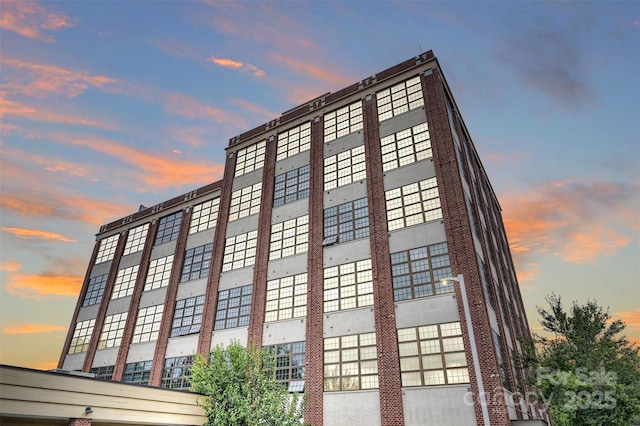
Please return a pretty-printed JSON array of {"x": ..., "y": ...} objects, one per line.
[
  {"x": 585, "y": 372},
  {"x": 240, "y": 388}
]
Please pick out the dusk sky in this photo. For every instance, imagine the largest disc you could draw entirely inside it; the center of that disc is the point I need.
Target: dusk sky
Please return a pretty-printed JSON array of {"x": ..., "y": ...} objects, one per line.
[{"x": 107, "y": 105}]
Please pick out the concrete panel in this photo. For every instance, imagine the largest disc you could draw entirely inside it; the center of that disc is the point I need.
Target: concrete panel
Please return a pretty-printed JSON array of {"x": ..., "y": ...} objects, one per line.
[
  {"x": 130, "y": 260},
  {"x": 163, "y": 250},
  {"x": 342, "y": 194},
  {"x": 247, "y": 179},
  {"x": 427, "y": 310},
  {"x": 347, "y": 252},
  {"x": 141, "y": 351},
  {"x": 344, "y": 143},
  {"x": 100, "y": 269},
  {"x": 403, "y": 121},
  {"x": 290, "y": 211},
  {"x": 440, "y": 405},
  {"x": 224, "y": 337},
  {"x": 200, "y": 238},
  {"x": 409, "y": 174},
  {"x": 73, "y": 362},
  {"x": 286, "y": 266},
  {"x": 88, "y": 312},
  {"x": 292, "y": 163},
  {"x": 119, "y": 305},
  {"x": 351, "y": 408},
  {"x": 242, "y": 226},
  {"x": 192, "y": 288},
  {"x": 105, "y": 357},
  {"x": 352, "y": 321},
  {"x": 417, "y": 236},
  {"x": 236, "y": 278},
  {"x": 153, "y": 297},
  {"x": 293, "y": 330},
  {"x": 182, "y": 346}
]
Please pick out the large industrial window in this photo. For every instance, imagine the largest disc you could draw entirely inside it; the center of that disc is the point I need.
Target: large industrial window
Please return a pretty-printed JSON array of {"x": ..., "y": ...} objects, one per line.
[
  {"x": 204, "y": 216},
  {"x": 125, "y": 282},
  {"x": 413, "y": 204},
  {"x": 344, "y": 168},
  {"x": 95, "y": 290},
  {"x": 286, "y": 298},
  {"x": 187, "y": 316},
  {"x": 348, "y": 286},
  {"x": 418, "y": 272},
  {"x": 346, "y": 222},
  {"x": 289, "y": 364},
  {"x": 432, "y": 355},
  {"x": 406, "y": 147},
  {"x": 104, "y": 372},
  {"x": 159, "y": 273},
  {"x": 168, "y": 228},
  {"x": 81, "y": 336},
  {"x": 291, "y": 186},
  {"x": 250, "y": 158},
  {"x": 196, "y": 262},
  {"x": 289, "y": 237},
  {"x": 342, "y": 121},
  {"x": 234, "y": 307},
  {"x": 294, "y": 141},
  {"x": 107, "y": 248},
  {"x": 177, "y": 372},
  {"x": 400, "y": 98},
  {"x": 240, "y": 251},
  {"x": 112, "y": 330},
  {"x": 137, "y": 372},
  {"x": 147, "y": 324},
  {"x": 350, "y": 362},
  {"x": 245, "y": 202}
]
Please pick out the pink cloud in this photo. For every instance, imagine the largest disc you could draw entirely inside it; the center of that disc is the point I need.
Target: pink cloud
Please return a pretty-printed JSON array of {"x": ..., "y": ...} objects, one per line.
[
  {"x": 36, "y": 234},
  {"x": 241, "y": 66},
  {"x": 9, "y": 265},
  {"x": 191, "y": 108},
  {"x": 29, "y": 18}
]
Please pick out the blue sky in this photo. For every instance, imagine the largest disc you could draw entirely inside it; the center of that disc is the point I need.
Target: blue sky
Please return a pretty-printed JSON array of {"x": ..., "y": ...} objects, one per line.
[{"x": 108, "y": 105}]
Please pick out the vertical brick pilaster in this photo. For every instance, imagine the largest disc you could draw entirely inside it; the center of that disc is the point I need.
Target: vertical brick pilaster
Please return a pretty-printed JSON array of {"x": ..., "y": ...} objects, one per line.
[
  {"x": 391, "y": 408},
  {"x": 130, "y": 324},
  {"x": 314, "y": 369},
  {"x": 104, "y": 304},
  {"x": 170, "y": 301}
]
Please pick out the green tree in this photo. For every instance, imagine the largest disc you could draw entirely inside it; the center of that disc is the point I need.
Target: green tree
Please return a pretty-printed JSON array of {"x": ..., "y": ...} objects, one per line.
[
  {"x": 586, "y": 372},
  {"x": 240, "y": 388}
]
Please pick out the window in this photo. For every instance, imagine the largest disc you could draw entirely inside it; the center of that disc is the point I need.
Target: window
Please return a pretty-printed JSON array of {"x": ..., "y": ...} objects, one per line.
[
  {"x": 204, "y": 216},
  {"x": 350, "y": 362},
  {"x": 291, "y": 186},
  {"x": 107, "y": 248},
  {"x": 159, "y": 273},
  {"x": 95, "y": 290},
  {"x": 250, "y": 158},
  {"x": 432, "y": 355},
  {"x": 234, "y": 307},
  {"x": 136, "y": 239},
  {"x": 245, "y": 202},
  {"x": 112, "y": 330},
  {"x": 103, "y": 373},
  {"x": 240, "y": 251},
  {"x": 187, "y": 316},
  {"x": 346, "y": 222},
  {"x": 81, "y": 336},
  {"x": 412, "y": 204},
  {"x": 289, "y": 237},
  {"x": 177, "y": 373},
  {"x": 168, "y": 228},
  {"x": 289, "y": 364},
  {"x": 294, "y": 141},
  {"x": 344, "y": 168},
  {"x": 406, "y": 147},
  {"x": 147, "y": 324},
  {"x": 196, "y": 262},
  {"x": 347, "y": 286},
  {"x": 417, "y": 272},
  {"x": 125, "y": 282},
  {"x": 286, "y": 298},
  {"x": 343, "y": 121},
  {"x": 137, "y": 372},
  {"x": 400, "y": 98}
]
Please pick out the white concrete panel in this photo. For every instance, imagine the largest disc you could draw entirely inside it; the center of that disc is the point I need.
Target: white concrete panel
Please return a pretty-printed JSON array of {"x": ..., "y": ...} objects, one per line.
[
  {"x": 73, "y": 361},
  {"x": 247, "y": 179},
  {"x": 342, "y": 194},
  {"x": 403, "y": 121},
  {"x": 427, "y": 310},
  {"x": 182, "y": 346},
  {"x": 153, "y": 297},
  {"x": 141, "y": 351},
  {"x": 105, "y": 357},
  {"x": 417, "y": 236},
  {"x": 290, "y": 210},
  {"x": 352, "y": 321},
  {"x": 242, "y": 226},
  {"x": 347, "y": 252},
  {"x": 440, "y": 405},
  {"x": 88, "y": 312},
  {"x": 225, "y": 337},
  {"x": 344, "y": 143},
  {"x": 130, "y": 260},
  {"x": 351, "y": 408},
  {"x": 100, "y": 269},
  {"x": 192, "y": 288},
  {"x": 163, "y": 250},
  {"x": 290, "y": 265},
  {"x": 409, "y": 174},
  {"x": 293, "y": 330},
  {"x": 292, "y": 163},
  {"x": 119, "y": 305},
  {"x": 236, "y": 278},
  {"x": 200, "y": 238}
]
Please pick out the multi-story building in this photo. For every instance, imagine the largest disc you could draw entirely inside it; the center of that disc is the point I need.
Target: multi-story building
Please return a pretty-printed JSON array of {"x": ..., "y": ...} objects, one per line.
[{"x": 358, "y": 235}]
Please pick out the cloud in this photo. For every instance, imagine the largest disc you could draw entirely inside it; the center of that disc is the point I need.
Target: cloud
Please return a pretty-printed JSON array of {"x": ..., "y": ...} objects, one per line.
[
  {"x": 39, "y": 286},
  {"x": 186, "y": 106},
  {"x": 241, "y": 66},
  {"x": 32, "y": 328},
  {"x": 9, "y": 265},
  {"x": 36, "y": 234},
  {"x": 310, "y": 68},
  {"x": 28, "y": 19},
  {"x": 255, "y": 109},
  {"x": 630, "y": 318}
]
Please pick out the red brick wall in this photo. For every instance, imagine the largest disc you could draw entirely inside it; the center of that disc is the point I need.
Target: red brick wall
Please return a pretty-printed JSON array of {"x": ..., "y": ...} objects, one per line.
[{"x": 79, "y": 422}]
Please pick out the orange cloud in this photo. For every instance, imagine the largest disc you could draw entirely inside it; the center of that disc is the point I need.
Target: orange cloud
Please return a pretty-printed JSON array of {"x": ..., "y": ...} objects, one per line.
[
  {"x": 32, "y": 328},
  {"x": 37, "y": 234},
  {"x": 230, "y": 63},
  {"x": 630, "y": 318},
  {"x": 38, "y": 286},
  {"x": 321, "y": 73},
  {"x": 28, "y": 19},
  {"x": 9, "y": 265}
]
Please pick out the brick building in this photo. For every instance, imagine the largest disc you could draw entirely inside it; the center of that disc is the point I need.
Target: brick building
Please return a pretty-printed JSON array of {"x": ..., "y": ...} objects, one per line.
[{"x": 344, "y": 235}]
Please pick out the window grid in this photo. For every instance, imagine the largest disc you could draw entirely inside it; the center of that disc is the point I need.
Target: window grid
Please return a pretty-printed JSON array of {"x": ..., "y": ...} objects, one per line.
[
  {"x": 147, "y": 324},
  {"x": 196, "y": 262},
  {"x": 294, "y": 141},
  {"x": 204, "y": 216},
  {"x": 348, "y": 286},
  {"x": 95, "y": 290},
  {"x": 125, "y": 282},
  {"x": 103, "y": 373},
  {"x": 413, "y": 204},
  {"x": 418, "y": 272},
  {"x": 289, "y": 238},
  {"x": 350, "y": 362},
  {"x": 344, "y": 168},
  {"x": 81, "y": 336},
  {"x": 289, "y": 361},
  {"x": 432, "y": 355},
  {"x": 137, "y": 372},
  {"x": 346, "y": 222},
  {"x": 112, "y": 330},
  {"x": 187, "y": 317},
  {"x": 343, "y": 121},
  {"x": 245, "y": 202},
  {"x": 400, "y": 98},
  {"x": 286, "y": 298},
  {"x": 136, "y": 239},
  {"x": 406, "y": 147},
  {"x": 250, "y": 158},
  {"x": 291, "y": 186},
  {"x": 240, "y": 251},
  {"x": 159, "y": 273},
  {"x": 234, "y": 307},
  {"x": 177, "y": 372},
  {"x": 168, "y": 228},
  {"x": 107, "y": 248}
]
